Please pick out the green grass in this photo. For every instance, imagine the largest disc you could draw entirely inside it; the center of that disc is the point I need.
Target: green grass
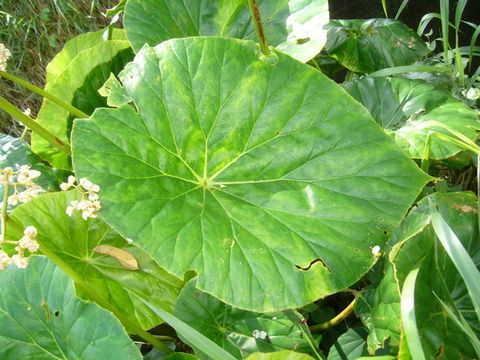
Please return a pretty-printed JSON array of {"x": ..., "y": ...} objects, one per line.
[{"x": 34, "y": 31}]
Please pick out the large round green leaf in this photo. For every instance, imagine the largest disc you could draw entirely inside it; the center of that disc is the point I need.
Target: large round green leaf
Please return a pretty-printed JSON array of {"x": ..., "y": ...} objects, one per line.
[
  {"x": 43, "y": 319},
  {"x": 238, "y": 331},
  {"x": 78, "y": 85},
  {"x": 245, "y": 172},
  {"x": 413, "y": 109},
  {"x": 293, "y": 26},
  {"x": 370, "y": 45},
  {"x": 73, "y": 240}
]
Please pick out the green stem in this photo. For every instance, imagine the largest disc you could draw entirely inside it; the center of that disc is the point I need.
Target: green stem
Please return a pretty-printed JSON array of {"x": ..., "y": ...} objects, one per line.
[
  {"x": 337, "y": 319},
  {"x": 257, "y": 20},
  {"x": 33, "y": 125},
  {"x": 73, "y": 110},
  {"x": 90, "y": 291},
  {"x": 6, "y": 193}
]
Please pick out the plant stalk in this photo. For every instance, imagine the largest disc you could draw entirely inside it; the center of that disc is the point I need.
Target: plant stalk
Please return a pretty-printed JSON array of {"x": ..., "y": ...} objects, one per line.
[
  {"x": 337, "y": 319},
  {"x": 33, "y": 125},
  {"x": 6, "y": 193},
  {"x": 73, "y": 110},
  {"x": 257, "y": 20},
  {"x": 129, "y": 324}
]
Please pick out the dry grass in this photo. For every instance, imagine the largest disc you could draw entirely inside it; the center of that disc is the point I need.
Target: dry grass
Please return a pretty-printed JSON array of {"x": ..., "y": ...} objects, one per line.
[{"x": 34, "y": 31}]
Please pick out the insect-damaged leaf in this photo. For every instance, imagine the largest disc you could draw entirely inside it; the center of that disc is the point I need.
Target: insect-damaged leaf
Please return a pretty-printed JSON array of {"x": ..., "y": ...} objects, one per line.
[{"x": 245, "y": 172}]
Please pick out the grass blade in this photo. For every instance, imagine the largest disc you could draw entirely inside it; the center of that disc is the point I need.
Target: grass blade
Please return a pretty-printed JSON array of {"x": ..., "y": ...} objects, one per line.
[
  {"x": 400, "y": 9},
  {"x": 457, "y": 253},
  {"x": 408, "y": 316},
  {"x": 409, "y": 68},
  {"x": 444, "y": 17},
  {"x": 192, "y": 336}
]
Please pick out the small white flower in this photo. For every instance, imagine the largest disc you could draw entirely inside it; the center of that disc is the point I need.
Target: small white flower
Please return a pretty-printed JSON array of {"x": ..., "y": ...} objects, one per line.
[
  {"x": 472, "y": 93},
  {"x": 20, "y": 261},
  {"x": 129, "y": 240},
  {"x": 70, "y": 182},
  {"x": 259, "y": 334},
  {"x": 376, "y": 250},
  {"x": 29, "y": 244},
  {"x": 4, "y": 260},
  {"x": 70, "y": 210},
  {"x": 4, "y": 55},
  {"x": 30, "y": 231}
]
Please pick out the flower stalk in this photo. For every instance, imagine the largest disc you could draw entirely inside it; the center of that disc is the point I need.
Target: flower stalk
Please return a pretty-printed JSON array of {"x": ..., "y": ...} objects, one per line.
[
  {"x": 6, "y": 193},
  {"x": 337, "y": 319},
  {"x": 33, "y": 125},
  {"x": 73, "y": 110},
  {"x": 257, "y": 20}
]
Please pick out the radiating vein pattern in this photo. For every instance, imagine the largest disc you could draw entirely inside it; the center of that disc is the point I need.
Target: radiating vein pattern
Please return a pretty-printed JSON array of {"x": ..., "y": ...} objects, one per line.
[{"x": 246, "y": 172}]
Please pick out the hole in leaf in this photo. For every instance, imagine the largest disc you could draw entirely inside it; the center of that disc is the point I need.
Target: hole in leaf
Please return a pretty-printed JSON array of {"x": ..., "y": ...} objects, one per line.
[
  {"x": 313, "y": 262},
  {"x": 57, "y": 313}
]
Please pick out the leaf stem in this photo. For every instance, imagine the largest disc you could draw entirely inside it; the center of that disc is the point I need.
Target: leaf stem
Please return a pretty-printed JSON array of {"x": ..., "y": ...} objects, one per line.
[
  {"x": 337, "y": 319},
  {"x": 257, "y": 20},
  {"x": 33, "y": 125},
  {"x": 73, "y": 110},
  {"x": 6, "y": 193},
  {"x": 90, "y": 291}
]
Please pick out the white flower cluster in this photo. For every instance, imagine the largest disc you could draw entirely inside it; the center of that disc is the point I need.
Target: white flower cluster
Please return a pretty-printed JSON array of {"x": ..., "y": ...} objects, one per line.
[
  {"x": 259, "y": 334},
  {"x": 25, "y": 178},
  {"x": 89, "y": 205},
  {"x": 4, "y": 55},
  {"x": 27, "y": 242}
]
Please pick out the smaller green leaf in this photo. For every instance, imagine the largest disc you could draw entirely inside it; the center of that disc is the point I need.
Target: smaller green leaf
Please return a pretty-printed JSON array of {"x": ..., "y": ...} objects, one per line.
[
  {"x": 43, "y": 319},
  {"x": 369, "y": 45},
  {"x": 192, "y": 336},
  {"x": 114, "y": 92},
  {"x": 350, "y": 346},
  {"x": 294, "y": 27},
  {"x": 240, "y": 332},
  {"x": 181, "y": 356},
  {"x": 75, "y": 46},
  {"x": 280, "y": 355},
  {"x": 78, "y": 85},
  {"x": 416, "y": 111},
  {"x": 73, "y": 241}
]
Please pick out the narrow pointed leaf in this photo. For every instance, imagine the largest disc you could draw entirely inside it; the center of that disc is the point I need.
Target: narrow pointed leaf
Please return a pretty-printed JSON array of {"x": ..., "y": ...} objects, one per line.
[{"x": 217, "y": 172}]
